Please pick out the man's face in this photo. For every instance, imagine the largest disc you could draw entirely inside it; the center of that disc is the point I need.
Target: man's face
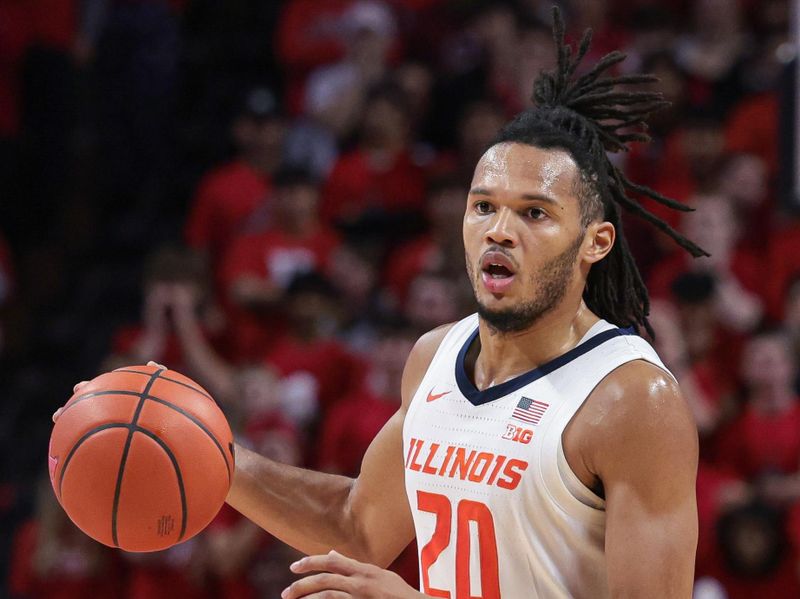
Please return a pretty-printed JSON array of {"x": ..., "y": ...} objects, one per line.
[
  {"x": 767, "y": 362},
  {"x": 384, "y": 122},
  {"x": 297, "y": 204},
  {"x": 523, "y": 233}
]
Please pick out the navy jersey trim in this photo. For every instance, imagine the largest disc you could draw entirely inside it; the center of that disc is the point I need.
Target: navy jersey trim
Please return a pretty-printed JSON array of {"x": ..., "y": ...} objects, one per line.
[{"x": 477, "y": 397}]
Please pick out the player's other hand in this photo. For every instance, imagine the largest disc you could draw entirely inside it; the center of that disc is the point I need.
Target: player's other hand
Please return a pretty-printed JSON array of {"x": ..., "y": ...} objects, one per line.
[
  {"x": 77, "y": 389},
  {"x": 339, "y": 577}
]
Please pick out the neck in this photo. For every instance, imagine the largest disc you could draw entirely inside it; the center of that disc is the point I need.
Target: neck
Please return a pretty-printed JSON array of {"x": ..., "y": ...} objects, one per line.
[{"x": 502, "y": 356}]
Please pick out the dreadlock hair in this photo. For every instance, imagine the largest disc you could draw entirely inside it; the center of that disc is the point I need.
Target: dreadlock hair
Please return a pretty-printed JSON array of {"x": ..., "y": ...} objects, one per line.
[{"x": 587, "y": 117}]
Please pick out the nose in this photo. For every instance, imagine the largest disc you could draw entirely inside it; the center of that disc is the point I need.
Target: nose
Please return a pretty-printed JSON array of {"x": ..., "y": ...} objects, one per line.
[{"x": 501, "y": 229}]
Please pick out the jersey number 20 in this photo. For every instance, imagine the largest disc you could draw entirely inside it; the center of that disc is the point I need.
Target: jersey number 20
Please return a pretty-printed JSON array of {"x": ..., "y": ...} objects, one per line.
[{"x": 466, "y": 511}]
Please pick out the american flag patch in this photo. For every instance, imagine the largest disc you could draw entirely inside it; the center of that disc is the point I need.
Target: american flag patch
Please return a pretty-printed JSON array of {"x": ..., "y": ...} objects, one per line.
[{"x": 529, "y": 410}]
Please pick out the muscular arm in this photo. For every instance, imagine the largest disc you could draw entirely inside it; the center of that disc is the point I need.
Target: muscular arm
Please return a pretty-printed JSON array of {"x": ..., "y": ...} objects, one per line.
[
  {"x": 644, "y": 450},
  {"x": 367, "y": 518}
]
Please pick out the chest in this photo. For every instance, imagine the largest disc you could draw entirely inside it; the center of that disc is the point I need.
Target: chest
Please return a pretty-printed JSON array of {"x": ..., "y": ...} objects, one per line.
[{"x": 492, "y": 452}]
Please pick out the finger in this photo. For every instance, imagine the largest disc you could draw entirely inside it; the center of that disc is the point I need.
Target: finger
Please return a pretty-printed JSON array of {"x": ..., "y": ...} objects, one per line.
[
  {"x": 330, "y": 562},
  {"x": 326, "y": 581},
  {"x": 330, "y": 595},
  {"x": 157, "y": 365},
  {"x": 79, "y": 386},
  {"x": 57, "y": 413}
]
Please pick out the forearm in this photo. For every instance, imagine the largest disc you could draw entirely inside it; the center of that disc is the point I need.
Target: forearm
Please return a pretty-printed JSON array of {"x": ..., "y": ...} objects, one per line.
[
  {"x": 308, "y": 510},
  {"x": 203, "y": 361}
]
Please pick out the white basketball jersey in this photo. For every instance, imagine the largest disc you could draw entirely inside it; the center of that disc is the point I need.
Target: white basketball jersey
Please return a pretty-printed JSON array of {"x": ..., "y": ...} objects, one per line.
[{"x": 497, "y": 510}]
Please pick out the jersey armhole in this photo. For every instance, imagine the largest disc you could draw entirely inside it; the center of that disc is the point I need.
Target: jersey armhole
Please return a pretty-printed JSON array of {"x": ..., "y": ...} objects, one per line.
[{"x": 575, "y": 485}]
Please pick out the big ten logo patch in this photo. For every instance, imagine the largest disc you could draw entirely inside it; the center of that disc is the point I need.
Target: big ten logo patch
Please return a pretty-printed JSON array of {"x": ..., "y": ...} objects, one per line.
[{"x": 518, "y": 434}]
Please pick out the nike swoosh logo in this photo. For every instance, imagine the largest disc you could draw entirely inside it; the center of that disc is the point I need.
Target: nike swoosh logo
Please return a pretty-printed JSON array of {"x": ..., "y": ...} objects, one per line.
[{"x": 432, "y": 397}]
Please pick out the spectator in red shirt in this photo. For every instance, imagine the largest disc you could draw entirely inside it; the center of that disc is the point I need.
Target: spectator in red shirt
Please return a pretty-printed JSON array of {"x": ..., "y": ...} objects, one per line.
[
  {"x": 736, "y": 271},
  {"x": 763, "y": 444},
  {"x": 753, "y": 126},
  {"x": 744, "y": 179},
  {"x": 380, "y": 175},
  {"x": 317, "y": 369},
  {"x": 354, "y": 270},
  {"x": 251, "y": 394},
  {"x": 246, "y": 391},
  {"x": 229, "y": 195},
  {"x": 698, "y": 379},
  {"x": 259, "y": 267},
  {"x": 711, "y": 51},
  {"x": 679, "y": 156},
  {"x": 154, "y": 337},
  {"x": 238, "y": 550},
  {"x": 351, "y": 424},
  {"x": 691, "y": 157},
  {"x": 757, "y": 559},
  {"x": 718, "y": 491},
  {"x": 308, "y": 36},
  {"x": 52, "y": 559},
  {"x": 442, "y": 249},
  {"x": 335, "y": 94}
]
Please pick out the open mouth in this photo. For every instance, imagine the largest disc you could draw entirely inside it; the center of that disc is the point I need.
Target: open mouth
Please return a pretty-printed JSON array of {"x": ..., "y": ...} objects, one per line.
[
  {"x": 497, "y": 265},
  {"x": 497, "y": 271}
]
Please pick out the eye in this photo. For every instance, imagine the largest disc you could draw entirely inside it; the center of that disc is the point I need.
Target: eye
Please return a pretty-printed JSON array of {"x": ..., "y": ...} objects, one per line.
[
  {"x": 483, "y": 207},
  {"x": 535, "y": 213}
]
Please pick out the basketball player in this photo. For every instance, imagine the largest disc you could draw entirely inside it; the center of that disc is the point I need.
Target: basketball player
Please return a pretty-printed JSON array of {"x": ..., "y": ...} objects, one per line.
[{"x": 542, "y": 448}]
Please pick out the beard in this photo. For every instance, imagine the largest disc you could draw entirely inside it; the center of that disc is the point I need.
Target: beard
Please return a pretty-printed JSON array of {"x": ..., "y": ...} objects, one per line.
[{"x": 550, "y": 280}]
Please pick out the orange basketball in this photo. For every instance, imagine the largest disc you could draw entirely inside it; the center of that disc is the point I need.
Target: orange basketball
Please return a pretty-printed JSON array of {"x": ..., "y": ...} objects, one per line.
[{"x": 141, "y": 458}]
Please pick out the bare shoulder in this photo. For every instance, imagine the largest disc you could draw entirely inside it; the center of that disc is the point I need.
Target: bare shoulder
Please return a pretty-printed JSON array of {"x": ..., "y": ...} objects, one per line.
[
  {"x": 420, "y": 358},
  {"x": 637, "y": 415}
]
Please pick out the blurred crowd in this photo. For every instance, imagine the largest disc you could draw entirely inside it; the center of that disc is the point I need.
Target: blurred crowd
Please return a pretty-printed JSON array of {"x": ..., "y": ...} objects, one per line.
[{"x": 267, "y": 197}]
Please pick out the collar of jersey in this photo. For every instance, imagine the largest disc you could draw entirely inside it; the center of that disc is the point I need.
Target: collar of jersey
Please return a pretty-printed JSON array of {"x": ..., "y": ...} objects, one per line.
[{"x": 477, "y": 397}]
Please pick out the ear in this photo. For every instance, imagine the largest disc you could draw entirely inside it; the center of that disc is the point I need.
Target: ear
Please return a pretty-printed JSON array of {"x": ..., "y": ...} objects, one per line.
[{"x": 599, "y": 241}]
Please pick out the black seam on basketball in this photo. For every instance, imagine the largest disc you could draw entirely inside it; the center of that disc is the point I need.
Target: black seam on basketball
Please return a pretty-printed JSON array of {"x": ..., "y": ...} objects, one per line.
[
  {"x": 98, "y": 394},
  {"x": 199, "y": 423},
  {"x": 133, "y": 371},
  {"x": 174, "y": 461},
  {"x": 182, "y": 384},
  {"x": 80, "y": 442},
  {"x": 142, "y": 399},
  {"x": 166, "y": 378}
]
